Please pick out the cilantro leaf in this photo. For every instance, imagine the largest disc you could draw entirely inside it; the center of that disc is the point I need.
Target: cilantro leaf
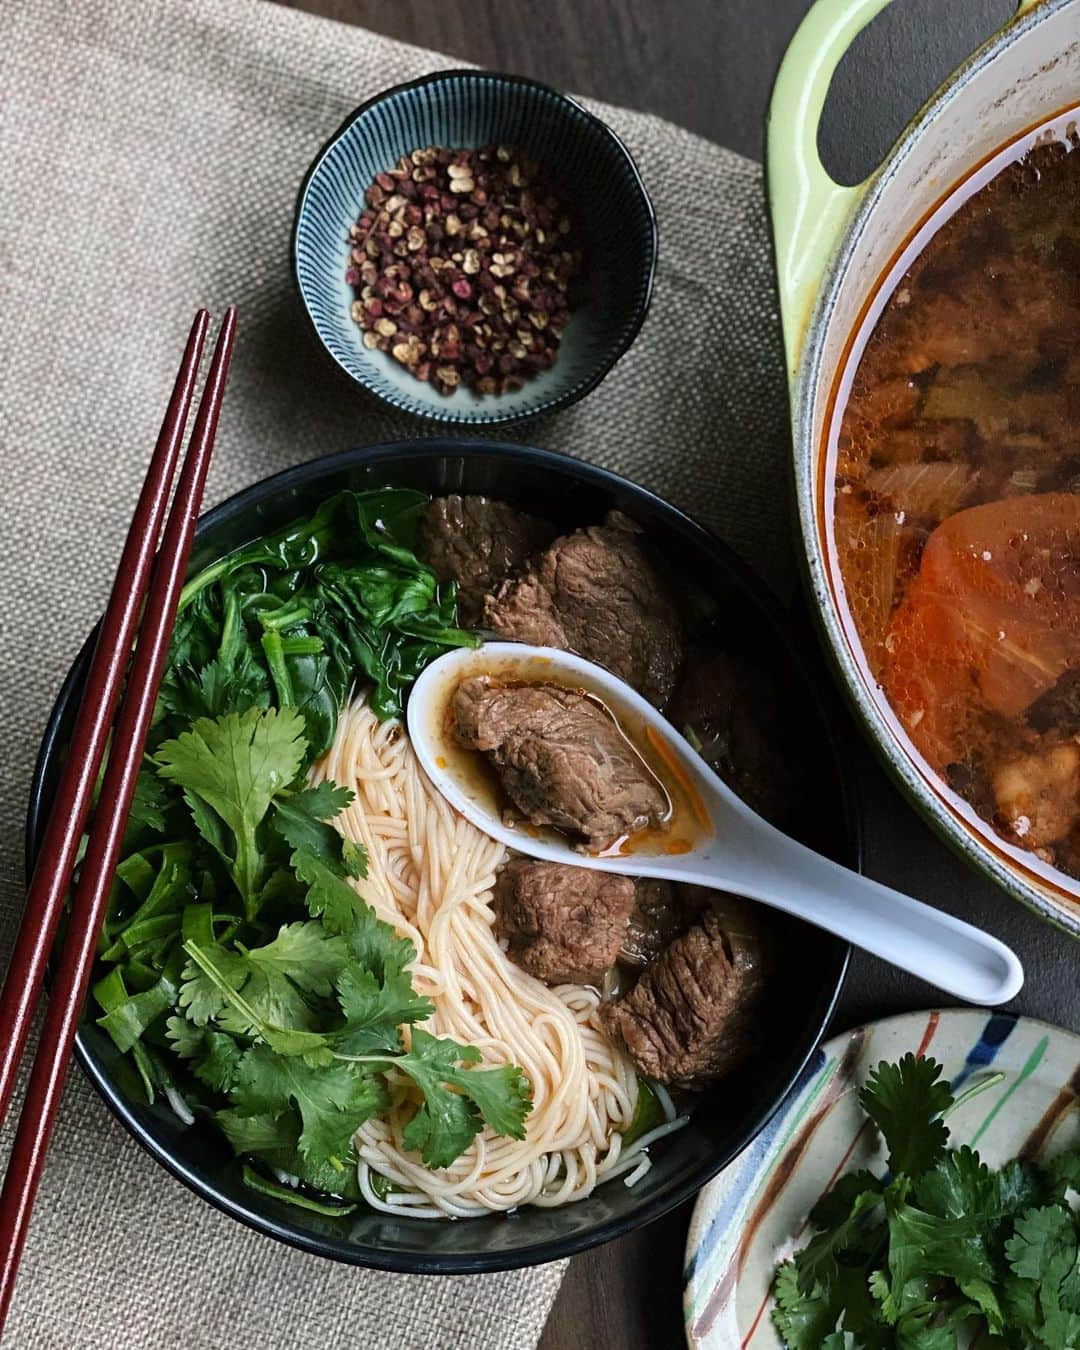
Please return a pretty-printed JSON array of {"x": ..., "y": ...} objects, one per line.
[
  {"x": 501, "y": 1095},
  {"x": 959, "y": 1184},
  {"x": 376, "y": 1005},
  {"x": 329, "y": 895},
  {"x": 326, "y": 800},
  {"x": 212, "y": 828},
  {"x": 149, "y": 803},
  {"x": 333, "y": 1100},
  {"x": 834, "y": 1207},
  {"x": 217, "y": 1068},
  {"x": 803, "y": 1320},
  {"x": 906, "y": 1102},
  {"x": 1043, "y": 1237},
  {"x": 234, "y": 767},
  {"x": 1018, "y": 1187},
  {"x": 273, "y": 1136},
  {"x": 272, "y": 981},
  {"x": 263, "y": 1132},
  {"x": 922, "y": 1244},
  {"x": 817, "y": 1262},
  {"x": 186, "y": 1040},
  {"x": 221, "y": 686},
  {"x": 1020, "y": 1301},
  {"x": 377, "y": 946},
  {"x": 448, "y": 1120},
  {"x": 1063, "y": 1173},
  {"x": 354, "y": 858},
  {"x": 983, "y": 1296},
  {"x": 919, "y": 1332},
  {"x": 1043, "y": 1254},
  {"x": 443, "y": 1127},
  {"x": 301, "y": 820}
]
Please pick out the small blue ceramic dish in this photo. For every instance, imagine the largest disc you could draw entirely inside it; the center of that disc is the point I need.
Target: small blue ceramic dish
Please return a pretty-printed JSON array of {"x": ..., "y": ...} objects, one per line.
[{"x": 595, "y": 177}]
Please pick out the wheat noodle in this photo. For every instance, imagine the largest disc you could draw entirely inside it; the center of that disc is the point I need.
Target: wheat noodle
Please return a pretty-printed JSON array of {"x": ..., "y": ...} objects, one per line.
[{"x": 430, "y": 875}]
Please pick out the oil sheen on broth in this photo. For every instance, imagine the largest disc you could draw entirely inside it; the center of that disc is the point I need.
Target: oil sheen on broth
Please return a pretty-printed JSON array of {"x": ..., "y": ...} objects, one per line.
[{"x": 957, "y": 502}]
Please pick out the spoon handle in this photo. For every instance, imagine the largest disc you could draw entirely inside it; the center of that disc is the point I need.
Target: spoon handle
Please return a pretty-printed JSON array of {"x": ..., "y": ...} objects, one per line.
[{"x": 937, "y": 947}]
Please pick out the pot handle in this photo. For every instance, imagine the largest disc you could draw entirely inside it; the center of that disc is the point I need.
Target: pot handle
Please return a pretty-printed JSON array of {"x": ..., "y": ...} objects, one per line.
[{"x": 809, "y": 210}]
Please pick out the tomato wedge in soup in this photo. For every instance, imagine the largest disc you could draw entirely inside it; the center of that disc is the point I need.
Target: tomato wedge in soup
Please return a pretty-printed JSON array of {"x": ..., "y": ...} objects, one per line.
[{"x": 990, "y": 621}]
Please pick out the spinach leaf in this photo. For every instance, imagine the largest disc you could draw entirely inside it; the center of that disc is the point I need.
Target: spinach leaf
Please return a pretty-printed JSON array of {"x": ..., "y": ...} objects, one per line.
[{"x": 297, "y": 618}]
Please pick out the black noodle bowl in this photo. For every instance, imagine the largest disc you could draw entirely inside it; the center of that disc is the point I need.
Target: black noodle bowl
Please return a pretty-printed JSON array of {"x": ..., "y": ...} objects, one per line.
[{"x": 812, "y": 964}]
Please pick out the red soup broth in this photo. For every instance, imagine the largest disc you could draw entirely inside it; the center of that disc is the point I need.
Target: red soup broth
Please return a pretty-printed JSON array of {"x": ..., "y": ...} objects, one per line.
[{"x": 952, "y": 495}]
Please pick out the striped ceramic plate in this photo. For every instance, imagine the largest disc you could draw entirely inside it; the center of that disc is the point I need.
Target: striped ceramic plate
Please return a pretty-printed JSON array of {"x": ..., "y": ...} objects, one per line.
[{"x": 754, "y": 1214}]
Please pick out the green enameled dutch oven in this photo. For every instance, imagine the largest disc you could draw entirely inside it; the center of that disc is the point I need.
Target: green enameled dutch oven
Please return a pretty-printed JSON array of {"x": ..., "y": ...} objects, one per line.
[{"x": 839, "y": 252}]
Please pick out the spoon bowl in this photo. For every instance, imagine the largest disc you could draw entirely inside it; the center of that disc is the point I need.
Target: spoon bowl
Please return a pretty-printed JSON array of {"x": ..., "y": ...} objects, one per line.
[{"x": 720, "y": 843}]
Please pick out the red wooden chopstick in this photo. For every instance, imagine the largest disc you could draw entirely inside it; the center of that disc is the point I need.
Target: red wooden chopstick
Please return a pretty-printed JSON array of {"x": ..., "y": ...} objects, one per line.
[
  {"x": 67, "y": 820},
  {"x": 107, "y": 830}
]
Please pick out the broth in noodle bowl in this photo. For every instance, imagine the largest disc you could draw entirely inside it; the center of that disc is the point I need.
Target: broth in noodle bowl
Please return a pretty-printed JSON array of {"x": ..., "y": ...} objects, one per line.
[{"x": 430, "y": 875}]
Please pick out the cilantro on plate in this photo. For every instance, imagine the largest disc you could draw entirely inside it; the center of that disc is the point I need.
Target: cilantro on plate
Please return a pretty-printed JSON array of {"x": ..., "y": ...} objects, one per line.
[{"x": 940, "y": 1252}]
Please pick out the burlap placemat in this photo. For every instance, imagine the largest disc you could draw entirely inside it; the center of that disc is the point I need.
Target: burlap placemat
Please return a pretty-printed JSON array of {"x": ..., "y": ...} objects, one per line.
[{"x": 151, "y": 156}]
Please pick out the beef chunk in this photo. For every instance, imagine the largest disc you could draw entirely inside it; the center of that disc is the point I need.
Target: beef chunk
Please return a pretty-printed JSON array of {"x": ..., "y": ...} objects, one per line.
[
  {"x": 477, "y": 543},
  {"x": 658, "y": 915},
  {"x": 560, "y": 757},
  {"x": 562, "y": 924},
  {"x": 692, "y": 1015},
  {"x": 595, "y": 593},
  {"x": 733, "y": 713},
  {"x": 1059, "y": 708}
]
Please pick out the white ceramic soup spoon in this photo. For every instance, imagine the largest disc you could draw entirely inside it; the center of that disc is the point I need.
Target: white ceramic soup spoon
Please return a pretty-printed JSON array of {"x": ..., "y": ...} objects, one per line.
[{"x": 713, "y": 839}]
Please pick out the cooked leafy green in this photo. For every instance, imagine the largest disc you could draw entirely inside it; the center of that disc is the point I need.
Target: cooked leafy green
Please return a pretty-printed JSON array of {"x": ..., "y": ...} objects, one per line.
[
  {"x": 295, "y": 619},
  {"x": 257, "y": 1182},
  {"x": 939, "y": 1248},
  {"x": 237, "y": 952}
]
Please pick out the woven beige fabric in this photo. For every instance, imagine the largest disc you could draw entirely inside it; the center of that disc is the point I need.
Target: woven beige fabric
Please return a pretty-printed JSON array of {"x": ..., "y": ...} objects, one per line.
[{"x": 151, "y": 156}]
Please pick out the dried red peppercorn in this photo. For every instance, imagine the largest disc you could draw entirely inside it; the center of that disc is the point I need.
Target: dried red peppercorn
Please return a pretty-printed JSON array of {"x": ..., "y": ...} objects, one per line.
[{"x": 464, "y": 242}]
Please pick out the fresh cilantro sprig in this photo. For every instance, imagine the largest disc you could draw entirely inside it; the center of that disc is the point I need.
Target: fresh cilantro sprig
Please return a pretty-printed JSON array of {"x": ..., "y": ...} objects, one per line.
[
  {"x": 241, "y": 957},
  {"x": 230, "y": 769},
  {"x": 375, "y": 1002},
  {"x": 941, "y": 1251}
]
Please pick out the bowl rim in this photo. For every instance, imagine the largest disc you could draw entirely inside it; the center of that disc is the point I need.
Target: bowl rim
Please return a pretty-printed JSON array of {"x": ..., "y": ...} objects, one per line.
[
  {"x": 554, "y": 1249},
  {"x": 611, "y": 356}
]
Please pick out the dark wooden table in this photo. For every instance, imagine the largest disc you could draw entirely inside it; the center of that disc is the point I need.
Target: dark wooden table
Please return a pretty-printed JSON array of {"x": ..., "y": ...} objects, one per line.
[{"x": 708, "y": 65}]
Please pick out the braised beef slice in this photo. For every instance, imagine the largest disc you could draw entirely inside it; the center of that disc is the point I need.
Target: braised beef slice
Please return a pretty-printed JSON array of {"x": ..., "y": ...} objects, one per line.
[
  {"x": 477, "y": 543},
  {"x": 659, "y": 914},
  {"x": 562, "y": 924},
  {"x": 733, "y": 713},
  {"x": 692, "y": 1016},
  {"x": 1059, "y": 708},
  {"x": 560, "y": 758},
  {"x": 595, "y": 593}
]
